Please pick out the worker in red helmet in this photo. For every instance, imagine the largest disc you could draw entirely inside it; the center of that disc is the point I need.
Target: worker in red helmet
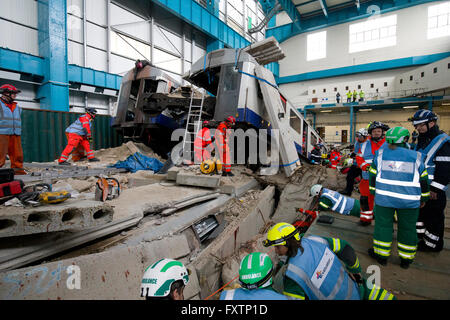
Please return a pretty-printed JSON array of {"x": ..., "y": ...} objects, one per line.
[
  {"x": 79, "y": 133},
  {"x": 11, "y": 129},
  {"x": 201, "y": 143},
  {"x": 222, "y": 138}
]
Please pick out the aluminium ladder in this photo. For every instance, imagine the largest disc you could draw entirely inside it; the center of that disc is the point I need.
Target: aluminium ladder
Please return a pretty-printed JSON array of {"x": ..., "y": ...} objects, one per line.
[{"x": 193, "y": 126}]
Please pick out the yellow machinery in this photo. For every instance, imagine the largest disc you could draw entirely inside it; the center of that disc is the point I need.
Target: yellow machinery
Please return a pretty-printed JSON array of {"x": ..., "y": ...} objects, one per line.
[
  {"x": 54, "y": 197},
  {"x": 211, "y": 166}
]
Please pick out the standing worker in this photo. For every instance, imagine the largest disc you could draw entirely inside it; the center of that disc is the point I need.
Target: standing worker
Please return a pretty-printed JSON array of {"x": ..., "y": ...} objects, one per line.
[
  {"x": 201, "y": 142},
  {"x": 79, "y": 133},
  {"x": 355, "y": 171},
  {"x": 335, "y": 157},
  {"x": 364, "y": 159},
  {"x": 349, "y": 96},
  {"x": 11, "y": 129},
  {"x": 361, "y": 95},
  {"x": 320, "y": 268},
  {"x": 435, "y": 146},
  {"x": 255, "y": 277},
  {"x": 355, "y": 95},
  {"x": 222, "y": 138},
  {"x": 338, "y": 97},
  {"x": 399, "y": 181}
]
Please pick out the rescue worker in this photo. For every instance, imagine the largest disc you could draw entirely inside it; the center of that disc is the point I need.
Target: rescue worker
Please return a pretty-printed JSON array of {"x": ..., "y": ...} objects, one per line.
[
  {"x": 361, "y": 95},
  {"x": 413, "y": 143},
  {"x": 399, "y": 181},
  {"x": 364, "y": 159},
  {"x": 11, "y": 129},
  {"x": 349, "y": 96},
  {"x": 338, "y": 97},
  {"x": 355, "y": 171},
  {"x": 201, "y": 142},
  {"x": 222, "y": 138},
  {"x": 255, "y": 278},
  {"x": 335, "y": 157},
  {"x": 316, "y": 155},
  {"x": 435, "y": 146},
  {"x": 320, "y": 268},
  {"x": 165, "y": 280},
  {"x": 355, "y": 95},
  {"x": 79, "y": 133},
  {"x": 334, "y": 201}
]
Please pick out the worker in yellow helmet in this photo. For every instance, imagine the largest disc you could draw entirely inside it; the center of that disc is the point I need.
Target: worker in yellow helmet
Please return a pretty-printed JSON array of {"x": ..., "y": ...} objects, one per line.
[{"x": 320, "y": 268}]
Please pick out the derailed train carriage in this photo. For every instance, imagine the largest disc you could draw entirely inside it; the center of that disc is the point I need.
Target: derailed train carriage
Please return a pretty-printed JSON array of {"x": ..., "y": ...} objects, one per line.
[{"x": 152, "y": 105}]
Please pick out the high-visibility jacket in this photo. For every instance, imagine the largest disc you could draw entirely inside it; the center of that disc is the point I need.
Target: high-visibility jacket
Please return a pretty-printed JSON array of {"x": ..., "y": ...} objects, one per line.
[
  {"x": 10, "y": 121},
  {"x": 202, "y": 140},
  {"x": 256, "y": 294},
  {"x": 320, "y": 273},
  {"x": 398, "y": 174},
  {"x": 335, "y": 157},
  {"x": 341, "y": 204},
  {"x": 429, "y": 154},
  {"x": 355, "y": 94},
  {"x": 349, "y": 94},
  {"x": 361, "y": 94},
  {"x": 365, "y": 154},
  {"x": 222, "y": 143},
  {"x": 82, "y": 126}
]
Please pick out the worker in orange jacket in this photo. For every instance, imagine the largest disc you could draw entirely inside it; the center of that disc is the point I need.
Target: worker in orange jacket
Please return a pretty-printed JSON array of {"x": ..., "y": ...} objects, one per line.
[
  {"x": 222, "y": 138},
  {"x": 201, "y": 142},
  {"x": 335, "y": 157},
  {"x": 11, "y": 129},
  {"x": 364, "y": 158},
  {"x": 79, "y": 133}
]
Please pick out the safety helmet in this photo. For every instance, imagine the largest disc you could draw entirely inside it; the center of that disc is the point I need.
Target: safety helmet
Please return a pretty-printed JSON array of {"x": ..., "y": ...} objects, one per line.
[
  {"x": 205, "y": 123},
  {"x": 362, "y": 132},
  {"x": 315, "y": 190},
  {"x": 231, "y": 120},
  {"x": 376, "y": 125},
  {"x": 423, "y": 116},
  {"x": 255, "y": 271},
  {"x": 397, "y": 135},
  {"x": 158, "y": 278},
  {"x": 91, "y": 111},
  {"x": 8, "y": 88},
  {"x": 279, "y": 233}
]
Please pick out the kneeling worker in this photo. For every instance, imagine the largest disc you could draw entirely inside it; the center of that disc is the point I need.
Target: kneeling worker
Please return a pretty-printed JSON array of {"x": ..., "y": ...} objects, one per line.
[
  {"x": 165, "y": 280},
  {"x": 334, "y": 201},
  {"x": 320, "y": 268},
  {"x": 255, "y": 277}
]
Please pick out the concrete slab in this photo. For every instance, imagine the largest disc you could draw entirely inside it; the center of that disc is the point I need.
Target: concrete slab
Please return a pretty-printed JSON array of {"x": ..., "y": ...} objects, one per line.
[
  {"x": 72, "y": 214},
  {"x": 237, "y": 189},
  {"x": 114, "y": 274},
  {"x": 172, "y": 173},
  {"x": 194, "y": 180}
]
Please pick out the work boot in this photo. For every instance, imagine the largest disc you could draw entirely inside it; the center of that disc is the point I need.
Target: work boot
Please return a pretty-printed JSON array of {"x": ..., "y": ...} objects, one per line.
[
  {"x": 404, "y": 263},
  {"x": 364, "y": 223},
  {"x": 94, "y": 160},
  {"x": 224, "y": 174},
  {"x": 230, "y": 174},
  {"x": 379, "y": 259},
  {"x": 64, "y": 163}
]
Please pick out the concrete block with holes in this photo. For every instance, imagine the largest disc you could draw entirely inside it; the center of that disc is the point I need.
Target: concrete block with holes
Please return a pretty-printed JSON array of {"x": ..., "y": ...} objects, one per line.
[{"x": 71, "y": 214}]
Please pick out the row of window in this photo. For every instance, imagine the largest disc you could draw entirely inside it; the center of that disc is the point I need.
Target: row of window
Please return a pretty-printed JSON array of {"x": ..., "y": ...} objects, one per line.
[
  {"x": 347, "y": 88},
  {"x": 377, "y": 32}
]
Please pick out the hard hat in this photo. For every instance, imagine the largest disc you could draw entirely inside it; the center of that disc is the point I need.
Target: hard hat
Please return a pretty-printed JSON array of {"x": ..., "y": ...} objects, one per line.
[
  {"x": 91, "y": 111},
  {"x": 362, "y": 132},
  {"x": 279, "y": 233},
  {"x": 158, "y": 278},
  {"x": 397, "y": 135},
  {"x": 255, "y": 271},
  {"x": 205, "y": 123},
  {"x": 231, "y": 120},
  {"x": 423, "y": 116},
  {"x": 8, "y": 88},
  {"x": 315, "y": 190},
  {"x": 376, "y": 125}
]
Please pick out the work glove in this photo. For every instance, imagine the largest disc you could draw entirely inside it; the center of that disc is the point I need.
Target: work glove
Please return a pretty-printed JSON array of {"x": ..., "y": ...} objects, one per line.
[{"x": 313, "y": 214}]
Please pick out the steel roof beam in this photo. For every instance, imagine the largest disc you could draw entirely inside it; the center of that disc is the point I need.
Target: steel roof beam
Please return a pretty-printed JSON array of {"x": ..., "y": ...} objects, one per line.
[{"x": 324, "y": 6}]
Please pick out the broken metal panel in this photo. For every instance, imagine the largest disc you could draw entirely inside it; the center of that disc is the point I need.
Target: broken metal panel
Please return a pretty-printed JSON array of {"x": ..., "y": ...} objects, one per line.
[
  {"x": 205, "y": 227},
  {"x": 266, "y": 51}
]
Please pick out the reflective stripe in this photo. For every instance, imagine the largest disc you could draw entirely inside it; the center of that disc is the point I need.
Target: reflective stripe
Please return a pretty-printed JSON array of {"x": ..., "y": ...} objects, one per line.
[
  {"x": 419, "y": 224},
  {"x": 405, "y": 255},
  {"x": 404, "y": 246},
  {"x": 426, "y": 194},
  {"x": 438, "y": 185},
  {"x": 372, "y": 188},
  {"x": 383, "y": 295},
  {"x": 442, "y": 159},
  {"x": 336, "y": 244},
  {"x": 293, "y": 295},
  {"x": 372, "y": 170},
  {"x": 299, "y": 272},
  {"x": 433, "y": 150},
  {"x": 338, "y": 285},
  {"x": 432, "y": 245},
  {"x": 382, "y": 252},
  {"x": 397, "y": 195},
  {"x": 229, "y": 294},
  {"x": 318, "y": 239},
  {"x": 420, "y": 230},
  {"x": 356, "y": 265},
  {"x": 365, "y": 216},
  {"x": 374, "y": 292},
  {"x": 398, "y": 182},
  {"x": 431, "y": 236},
  {"x": 382, "y": 243},
  {"x": 424, "y": 173},
  {"x": 323, "y": 205}
]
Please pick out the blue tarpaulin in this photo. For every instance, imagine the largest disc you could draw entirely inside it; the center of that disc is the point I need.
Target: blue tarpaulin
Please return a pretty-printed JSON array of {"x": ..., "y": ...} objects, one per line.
[{"x": 137, "y": 162}]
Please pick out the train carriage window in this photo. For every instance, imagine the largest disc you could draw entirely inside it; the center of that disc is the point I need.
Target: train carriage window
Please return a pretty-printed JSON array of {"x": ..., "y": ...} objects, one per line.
[
  {"x": 295, "y": 122},
  {"x": 304, "y": 137},
  {"x": 230, "y": 81}
]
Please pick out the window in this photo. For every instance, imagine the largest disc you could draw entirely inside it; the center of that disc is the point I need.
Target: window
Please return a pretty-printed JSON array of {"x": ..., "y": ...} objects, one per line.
[
  {"x": 422, "y": 74},
  {"x": 346, "y": 88},
  {"x": 359, "y": 86},
  {"x": 439, "y": 20},
  {"x": 373, "y": 34},
  {"x": 385, "y": 84},
  {"x": 448, "y": 66},
  {"x": 401, "y": 81},
  {"x": 316, "y": 46},
  {"x": 410, "y": 78},
  {"x": 335, "y": 89},
  {"x": 371, "y": 85},
  {"x": 314, "y": 91},
  {"x": 435, "y": 70},
  {"x": 324, "y": 90}
]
